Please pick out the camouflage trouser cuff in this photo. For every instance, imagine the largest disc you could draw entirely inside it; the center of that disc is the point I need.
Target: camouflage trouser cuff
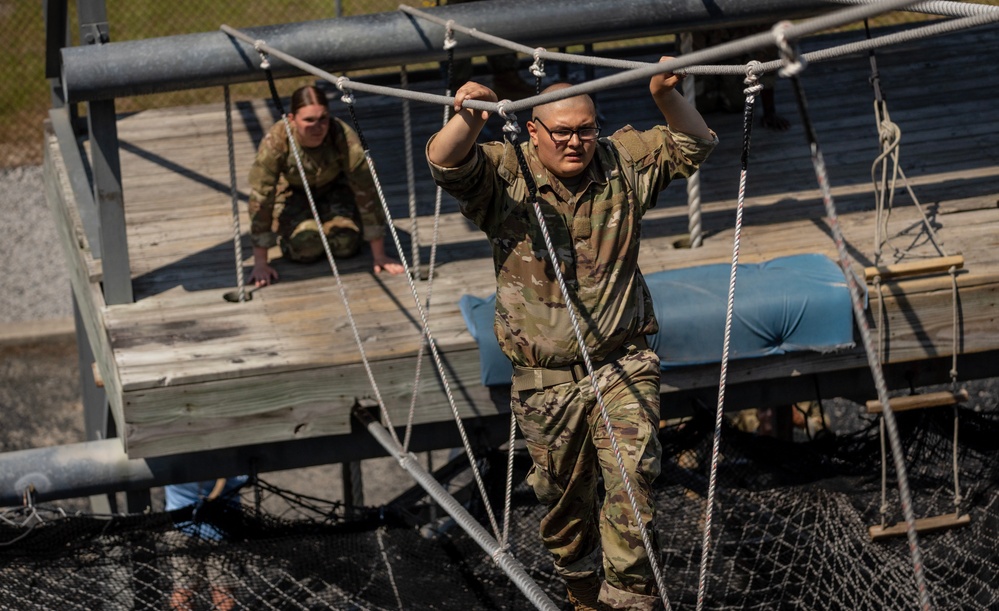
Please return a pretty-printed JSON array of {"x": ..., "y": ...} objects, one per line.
[
  {"x": 615, "y": 598},
  {"x": 587, "y": 566}
]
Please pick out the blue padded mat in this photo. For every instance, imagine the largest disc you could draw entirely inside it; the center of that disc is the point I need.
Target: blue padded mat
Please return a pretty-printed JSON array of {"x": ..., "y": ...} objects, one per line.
[{"x": 794, "y": 303}]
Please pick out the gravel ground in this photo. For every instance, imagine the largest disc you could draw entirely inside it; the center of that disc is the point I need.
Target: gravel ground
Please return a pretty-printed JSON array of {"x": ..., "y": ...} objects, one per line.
[{"x": 36, "y": 286}]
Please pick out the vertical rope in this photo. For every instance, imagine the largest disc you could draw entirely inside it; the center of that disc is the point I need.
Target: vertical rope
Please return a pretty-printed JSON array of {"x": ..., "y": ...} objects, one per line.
[
  {"x": 237, "y": 243},
  {"x": 694, "y": 227},
  {"x": 538, "y": 69},
  {"x": 349, "y": 101},
  {"x": 953, "y": 386},
  {"x": 793, "y": 66},
  {"x": 753, "y": 87},
  {"x": 380, "y": 534},
  {"x": 407, "y": 127},
  {"x": 449, "y": 44},
  {"x": 510, "y": 131}
]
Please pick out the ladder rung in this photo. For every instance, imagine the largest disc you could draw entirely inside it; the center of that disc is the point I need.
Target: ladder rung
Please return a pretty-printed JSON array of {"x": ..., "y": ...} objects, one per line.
[
  {"x": 923, "y": 525},
  {"x": 914, "y": 268},
  {"x": 930, "y": 399}
]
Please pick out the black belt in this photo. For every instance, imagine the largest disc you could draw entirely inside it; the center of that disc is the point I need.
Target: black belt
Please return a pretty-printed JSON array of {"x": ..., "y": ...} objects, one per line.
[{"x": 540, "y": 378}]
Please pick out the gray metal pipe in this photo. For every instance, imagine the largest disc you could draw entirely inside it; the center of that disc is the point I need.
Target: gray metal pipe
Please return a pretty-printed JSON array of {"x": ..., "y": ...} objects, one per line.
[
  {"x": 102, "y": 467},
  {"x": 510, "y": 565},
  {"x": 189, "y": 61}
]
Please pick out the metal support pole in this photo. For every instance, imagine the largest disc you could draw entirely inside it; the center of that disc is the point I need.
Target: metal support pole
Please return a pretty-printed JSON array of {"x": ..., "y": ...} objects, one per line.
[
  {"x": 99, "y": 467},
  {"x": 97, "y": 421},
  {"x": 354, "y": 42},
  {"x": 56, "y": 37},
  {"x": 106, "y": 167},
  {"x": 353, "y": 484},
  {"x": 510, "y": 565}
]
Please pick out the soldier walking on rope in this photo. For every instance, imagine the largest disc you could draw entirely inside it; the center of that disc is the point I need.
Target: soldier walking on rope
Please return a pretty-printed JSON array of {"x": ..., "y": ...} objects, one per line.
[
  {"x": 594, "y": 192},
  {"x": 341, "y": 186}
]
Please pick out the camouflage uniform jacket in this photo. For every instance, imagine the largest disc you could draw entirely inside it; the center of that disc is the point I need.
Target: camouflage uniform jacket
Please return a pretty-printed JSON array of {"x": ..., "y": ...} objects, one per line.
[
  {"x": 339, "y": 158},
  {"x": 595, "y": 233}
]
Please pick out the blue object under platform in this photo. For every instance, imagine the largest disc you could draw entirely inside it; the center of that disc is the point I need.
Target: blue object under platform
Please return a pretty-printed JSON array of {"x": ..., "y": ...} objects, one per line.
[{"x": 794, "y": 303}]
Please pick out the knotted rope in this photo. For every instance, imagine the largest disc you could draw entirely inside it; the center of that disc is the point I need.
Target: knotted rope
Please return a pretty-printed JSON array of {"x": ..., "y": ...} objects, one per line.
[
  {"x": 237, "y": 242},
  {"x": 752, "y": 88}
]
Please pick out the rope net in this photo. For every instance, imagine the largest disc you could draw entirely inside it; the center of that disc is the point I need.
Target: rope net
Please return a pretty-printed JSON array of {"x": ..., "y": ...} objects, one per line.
[{"x": 791, "y": 522}]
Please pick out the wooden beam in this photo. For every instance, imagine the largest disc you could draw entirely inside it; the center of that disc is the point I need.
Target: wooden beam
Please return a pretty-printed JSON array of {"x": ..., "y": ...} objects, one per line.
[
  {"x": 914, "y": 268},
  {"x": 930, "y": 399},
  {"x": 923, "y": 525}
]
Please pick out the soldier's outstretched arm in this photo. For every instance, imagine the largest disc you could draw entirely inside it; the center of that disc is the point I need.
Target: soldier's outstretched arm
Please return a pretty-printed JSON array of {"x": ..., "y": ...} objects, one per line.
[
  {"x": 679, "y": 114},
  {"x": 453, "y": 144}
]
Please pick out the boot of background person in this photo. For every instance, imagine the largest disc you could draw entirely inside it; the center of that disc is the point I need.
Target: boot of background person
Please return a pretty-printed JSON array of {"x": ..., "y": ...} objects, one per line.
[{"x": 583, "y": 593}]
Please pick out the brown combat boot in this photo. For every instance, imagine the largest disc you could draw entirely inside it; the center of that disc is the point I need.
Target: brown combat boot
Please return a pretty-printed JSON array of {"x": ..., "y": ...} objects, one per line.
[{"x": 583, "y": 593}]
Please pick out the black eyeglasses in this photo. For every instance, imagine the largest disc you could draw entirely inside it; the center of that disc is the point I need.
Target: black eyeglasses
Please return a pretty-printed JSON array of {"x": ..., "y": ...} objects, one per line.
[{"x": 563, "y": 136}]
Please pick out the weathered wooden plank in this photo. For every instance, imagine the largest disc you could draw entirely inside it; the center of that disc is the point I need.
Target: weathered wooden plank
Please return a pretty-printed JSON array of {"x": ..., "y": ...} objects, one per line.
[
  {"x": 274, "y": 404},
  {"x": 84, "y": 282},
  {"x": 910, "y": 402},
  {"x": 923, "y": 525}
]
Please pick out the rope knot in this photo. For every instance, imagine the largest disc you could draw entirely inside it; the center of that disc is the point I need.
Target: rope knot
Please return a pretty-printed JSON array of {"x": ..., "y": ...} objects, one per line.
[
  {"x": 752, "y": 79},
  {"x": 28, "y": 496},
  {"x": 538, "y": 67},
  {"x": 500, "y": 551},
  {"x": 501, "y": 111},
  {"x": 449, "y": 41},
  {"x": 511, "y": 128},
  {"x": 794, "y": 63},
  {"x": 345, "y": 95},
  {"x": 265, "y": 62}
]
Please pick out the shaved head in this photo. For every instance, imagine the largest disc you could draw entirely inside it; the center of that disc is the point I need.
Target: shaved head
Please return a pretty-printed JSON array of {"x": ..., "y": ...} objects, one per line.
[{"x": 546, "y": 112}]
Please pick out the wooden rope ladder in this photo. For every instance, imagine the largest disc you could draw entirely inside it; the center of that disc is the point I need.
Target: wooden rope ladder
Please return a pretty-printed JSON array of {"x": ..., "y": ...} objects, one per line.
[
  {"x": 953, "y": 397},
  {"x": 889, "y": 136}
]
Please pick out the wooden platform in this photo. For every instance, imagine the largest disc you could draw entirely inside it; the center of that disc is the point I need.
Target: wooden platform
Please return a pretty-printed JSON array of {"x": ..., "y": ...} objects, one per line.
[{"x": 185, "y": 370}]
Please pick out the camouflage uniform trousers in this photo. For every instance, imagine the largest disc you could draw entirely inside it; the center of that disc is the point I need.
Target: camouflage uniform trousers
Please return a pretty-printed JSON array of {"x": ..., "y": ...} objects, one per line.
[
  {"x": 298, "y": 233},
  {"x": 571, "y": 450}
]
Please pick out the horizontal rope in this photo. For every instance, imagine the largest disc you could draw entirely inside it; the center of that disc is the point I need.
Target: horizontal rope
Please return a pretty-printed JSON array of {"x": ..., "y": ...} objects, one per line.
[
  {"x": 688, "y": 62},
  {"x": 940, "y": 7}
]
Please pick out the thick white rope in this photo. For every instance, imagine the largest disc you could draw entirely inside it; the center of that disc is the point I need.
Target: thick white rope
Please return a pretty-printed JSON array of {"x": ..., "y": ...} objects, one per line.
[
  {"x": 752, "y": 88},
  {"x": 347, "y": 98},
  {"x": 694, "y": 219},
  {"x": 407, "y": 127},
  {"x": 676, "y": 65},
  {"x": 237, "y": 243},
  {"x": 939, "y": 7}
]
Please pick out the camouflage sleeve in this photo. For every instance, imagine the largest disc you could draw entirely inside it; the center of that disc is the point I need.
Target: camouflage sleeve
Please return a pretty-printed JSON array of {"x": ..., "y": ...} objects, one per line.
[
  {"x": 264, "y": 176},
  {"x": 362, "y": 184},
  {"x": 474, "y": 184},
  {"x": 655, "y": 157}
]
